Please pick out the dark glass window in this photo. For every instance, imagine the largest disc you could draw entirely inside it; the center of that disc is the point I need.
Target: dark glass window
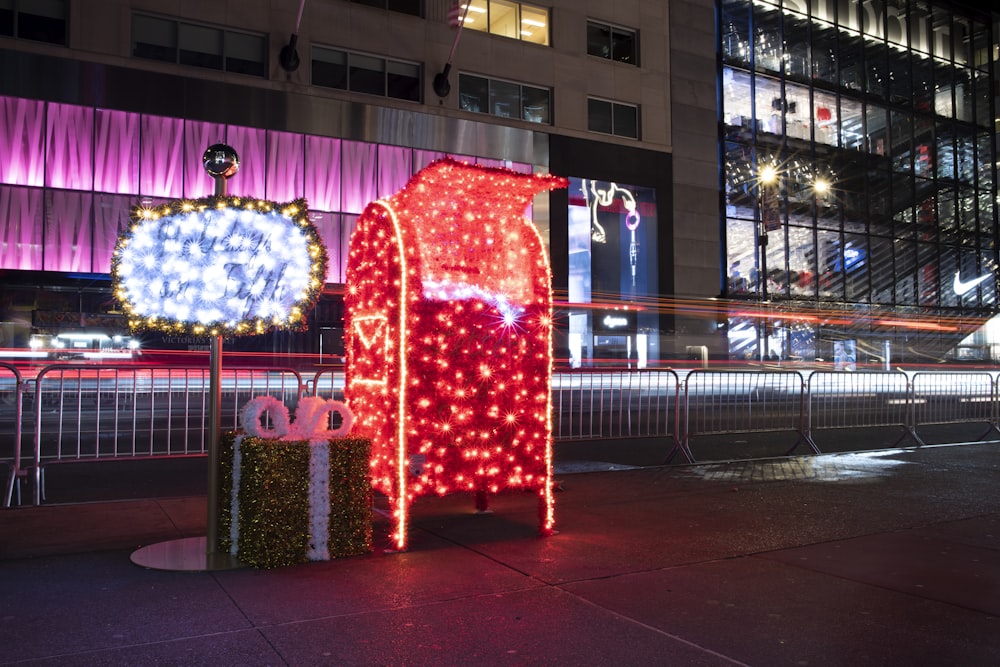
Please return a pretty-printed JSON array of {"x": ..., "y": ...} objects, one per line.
[
  {"x": 361, "y": 73},
  {"x": 599, "y": 116},
  {"x": 505, "y": 99},
  {"x": 198, "y": 45},
  {"x": 535, "y": 103},
  {"x": 329, "y": 68},
  {"x": 38, "y": 21},
  {"x": 403, "y": 81},
  {"x": 245, "y": 53},
  {"x": 613, "y": 43},
  {"x": 154, "y": 38},
  {"x": 366, "y": 74},
  {"x": 473, "y": 93},
  {"x": 606, "y": 117},
  {"x": 412, "y": 7}
]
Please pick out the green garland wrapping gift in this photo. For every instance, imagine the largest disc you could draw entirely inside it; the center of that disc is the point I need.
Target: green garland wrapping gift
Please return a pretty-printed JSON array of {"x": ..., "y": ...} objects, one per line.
[{"x": 298, "y": 491}]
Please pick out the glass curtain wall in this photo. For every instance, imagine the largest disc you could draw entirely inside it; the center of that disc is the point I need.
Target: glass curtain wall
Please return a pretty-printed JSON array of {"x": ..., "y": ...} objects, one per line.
[{"x": 859, "y": 180}]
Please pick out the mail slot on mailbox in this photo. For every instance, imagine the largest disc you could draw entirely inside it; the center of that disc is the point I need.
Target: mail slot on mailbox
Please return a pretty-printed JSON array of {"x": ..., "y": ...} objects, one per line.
[{"x": 448, "y": 334}]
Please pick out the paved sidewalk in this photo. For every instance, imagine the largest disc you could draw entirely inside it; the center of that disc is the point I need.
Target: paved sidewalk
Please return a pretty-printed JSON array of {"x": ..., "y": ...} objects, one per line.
[{"x": 881, "y": 558}]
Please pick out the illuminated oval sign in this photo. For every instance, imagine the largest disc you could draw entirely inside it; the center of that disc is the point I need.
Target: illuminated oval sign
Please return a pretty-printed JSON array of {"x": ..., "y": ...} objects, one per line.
[{"x": 219, "y": 265}]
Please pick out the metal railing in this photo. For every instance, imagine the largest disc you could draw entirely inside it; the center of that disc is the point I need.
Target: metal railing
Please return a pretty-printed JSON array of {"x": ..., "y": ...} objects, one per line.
[
  {"x": 106, "y": 412},
  {"x": 718, "y": 402},
  {"x": 91, "y": 413},
  {"x": 11, "y": 385}
]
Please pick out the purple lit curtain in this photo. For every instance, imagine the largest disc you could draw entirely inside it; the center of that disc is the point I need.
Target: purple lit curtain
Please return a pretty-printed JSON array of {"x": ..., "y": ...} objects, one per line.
[
  {"x": 68, "y": 231},
  {"x": 359, "y": 182},
  {"x": 322, "y": 175},
  {"x": 198, "y": 136},
  {"x": 161, "y": 158},
  {"x": 347, "y": 225},
  {"x": 250, "y": 146},
  {"x": 111, "y": 218},
  {"x": 423, "y": 158},
  {"x": 69, "y": 155},
  {"x": 328, "y": 226},
  {"x": 394, "y": 169},
  {"x": 21, "y": 228},
  {"x": 22, "y": 155},
  {"x": 285, "y": 181},
  {"x": 519, "y": 167},
  {"x": 116, "y": 152}
]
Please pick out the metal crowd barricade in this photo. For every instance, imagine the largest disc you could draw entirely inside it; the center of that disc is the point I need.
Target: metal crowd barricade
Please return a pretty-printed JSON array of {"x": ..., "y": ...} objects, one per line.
[
  {"x": 839, "y": 399},
  {"x": 953, "y": 398},
  {"x": 108, "y": 412},
  {"x": 11, "y": 407},
  {"x": 615, "y": 404},
  {"x": 327, "y": 383},
  {"x": 718, "y": 402}
]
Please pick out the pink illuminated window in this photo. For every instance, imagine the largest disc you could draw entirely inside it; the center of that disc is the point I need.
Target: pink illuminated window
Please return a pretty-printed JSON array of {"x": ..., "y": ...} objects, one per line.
[
  {"x": 116, "y": 152},
  {"x": 358, "y": 181},
  {"x": 20, "y": 228},
  {"x": 328, "y": 227},
  {"x": 68, "y": 231},
  {"x": 86, "y": 168},
  {"x": 69, "y": 155},
  {"x": 250, "y": 146},
  {"x": 394, "y": 169},
  {"x": 110, "y": 220},
  {"x": 161, "y": 158},
  {"x": 21, "y": 141},
  {"x": 322, "y": 176},
  {"x": 284, "y": 179},
  {"x": 197, "y": 137}
]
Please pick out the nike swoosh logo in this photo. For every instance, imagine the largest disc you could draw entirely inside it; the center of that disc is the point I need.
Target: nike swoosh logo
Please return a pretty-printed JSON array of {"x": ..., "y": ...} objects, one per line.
[{"x": 961, "y": 287}]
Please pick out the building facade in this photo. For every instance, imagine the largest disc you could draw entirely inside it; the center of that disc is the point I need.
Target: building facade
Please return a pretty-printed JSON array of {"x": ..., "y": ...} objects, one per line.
[
  {"x": 661, "y": 114},
  {"x": 859, "y": 176},
  {"x": 109, "y": 103}
]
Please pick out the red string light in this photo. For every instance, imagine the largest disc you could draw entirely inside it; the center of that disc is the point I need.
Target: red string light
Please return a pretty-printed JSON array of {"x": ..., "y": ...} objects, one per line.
[{"x": 448, "y": 332}]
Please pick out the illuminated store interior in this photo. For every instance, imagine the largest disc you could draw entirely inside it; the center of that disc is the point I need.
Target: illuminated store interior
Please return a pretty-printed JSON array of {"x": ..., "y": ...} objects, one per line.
[{"x": 858, "y": 171}]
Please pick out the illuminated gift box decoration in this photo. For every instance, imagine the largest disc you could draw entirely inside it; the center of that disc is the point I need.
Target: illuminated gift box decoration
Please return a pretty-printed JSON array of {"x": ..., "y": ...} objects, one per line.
[
  {"x": 448, "y": 333},
  {"x": 297, "y": 492}
]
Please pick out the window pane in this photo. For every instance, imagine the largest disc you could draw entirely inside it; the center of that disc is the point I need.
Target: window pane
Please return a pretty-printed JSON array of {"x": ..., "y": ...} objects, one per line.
[
  {"x": 503, "y": 19},
  {"x": 329, "y": 68},
  {"x": 534, "y": 25},
  {"x": 7, "y": 18},
  {"x": 477, "y": 18},
  {"x": 623, "y": 47},
  {"x": 598, "y": 40},
  {"x": 245, "y": 54},
  {"x": 154, "y": 38},
  {"x": 200, "y": 46},
  {"x": 367, "y": 74},
  {"x": 473, "y": 93},
  {"x": 404, "y": 81},
  {"x": 626, "y": 121},
  {"x": 536, "y": 104},
  {"x": 43, "y": 21},
  {"x": 505, "y": 99},
  {"x": 599, "y": 116},
  {"x": 411, "y": 7}
]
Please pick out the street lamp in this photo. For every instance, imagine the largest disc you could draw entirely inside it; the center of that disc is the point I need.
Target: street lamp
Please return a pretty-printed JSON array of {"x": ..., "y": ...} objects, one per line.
[{"x": 766, "y": 179}]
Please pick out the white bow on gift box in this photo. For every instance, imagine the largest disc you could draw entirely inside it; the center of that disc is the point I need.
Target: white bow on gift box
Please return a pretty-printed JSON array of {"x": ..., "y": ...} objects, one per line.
[{"x": 312, "y": 421}]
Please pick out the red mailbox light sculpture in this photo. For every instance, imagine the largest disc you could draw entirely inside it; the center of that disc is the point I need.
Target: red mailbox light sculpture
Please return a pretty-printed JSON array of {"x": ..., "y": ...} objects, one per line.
[{"x": 448, "y": 331}]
